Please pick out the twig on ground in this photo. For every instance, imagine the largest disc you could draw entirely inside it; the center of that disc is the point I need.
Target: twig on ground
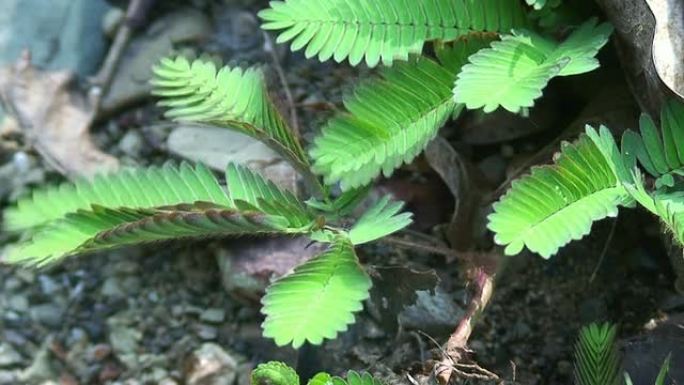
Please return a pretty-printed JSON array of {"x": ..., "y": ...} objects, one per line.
[
  {"x": 135, "y": 16},
  {"x": 605, "y": 250},
  {"x": 270, "y": 48}
]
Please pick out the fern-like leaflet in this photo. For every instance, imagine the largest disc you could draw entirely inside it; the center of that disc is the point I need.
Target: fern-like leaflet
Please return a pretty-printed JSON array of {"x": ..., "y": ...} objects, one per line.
[
  {"x": 383, "y": 30},
  {"x": 391, "y": 119},
  {"x": 513, "y": 71},
  {"x": 380, "y": 220},
  {"x": 318, "y": 300},
  {"x": 137, "y": 206},
  {"x": 356, "y": 378},
  {"x": 137, "y": 188},
  {"x": 597, "y": 361},
  {"x": 231, "y": 97},
  {"x": 661, "y": 155},
  {"x": 556, "y": 204}
]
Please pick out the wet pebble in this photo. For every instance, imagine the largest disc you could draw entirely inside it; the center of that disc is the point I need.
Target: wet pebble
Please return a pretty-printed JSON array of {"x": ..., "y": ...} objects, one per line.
[
  {"x": 210, "y": 365},
  {"x": 9, "y": 356},
  {"x": 213, "y": 315}
]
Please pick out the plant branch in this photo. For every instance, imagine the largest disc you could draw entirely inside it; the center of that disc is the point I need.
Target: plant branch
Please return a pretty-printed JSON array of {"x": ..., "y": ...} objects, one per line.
[
  {"x": 408, "y": 244},
  {"x": 482, "y": 279},
  {"x": 294, "y": 117}
]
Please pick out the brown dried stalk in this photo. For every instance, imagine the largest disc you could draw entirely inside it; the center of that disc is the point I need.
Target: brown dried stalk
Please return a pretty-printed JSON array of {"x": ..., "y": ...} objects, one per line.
[{"x": 481, "y": 276}]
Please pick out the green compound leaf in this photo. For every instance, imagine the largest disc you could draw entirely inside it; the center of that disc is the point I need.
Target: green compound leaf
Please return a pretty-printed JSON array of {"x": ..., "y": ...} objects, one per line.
[
  {"x": 379, "y": 221},
  {"x": 321, "y": 379},
  {"x": 230, "y": 97},
  {"x": 249, "y": 187},
  {"x": 137, "y": 188},
  {"x": 146, "y": 205},
  {"x": 274, "y": 373},
  {"x": 597, "y": 361},
  {"x": 390, "y": 119},
  {"x": 669, "y": 207},
  {"x": 104, "y": 228},
  {"x": 356, "y": 378},
  {"x": 318, "y": 300},
  {"x": 556, "y": 204},
  {"x": 661, "y": 154},
  {"x": 513, "y": 72},
  {"x": 383, "y": 30}
]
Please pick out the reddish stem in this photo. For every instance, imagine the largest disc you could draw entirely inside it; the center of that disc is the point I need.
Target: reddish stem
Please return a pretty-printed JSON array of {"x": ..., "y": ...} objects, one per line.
[{"x": 481, "y": 275}]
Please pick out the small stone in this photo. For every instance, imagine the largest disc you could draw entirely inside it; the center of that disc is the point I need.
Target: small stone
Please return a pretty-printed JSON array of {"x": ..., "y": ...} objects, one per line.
[
  {"x": 48, "y": 314},
  {"x": 99, "y": 352},
  {"x": 8, "y": 377},
  {"x": 123, "y": 339},
  {"x": 210, "y": 365},
  {"x": 213, "y": 315},
  {"x": 18, "y": 303},
  {"x": 76, "y": 336},
  {"x": 28, "y": 276},
  {"x": 126, "y": 266},
  {"x": 9, "y": 356},
  {"x": 12, "y": 284},
  {"x": 41, "y": 368},
  {"x": 112, "y": 288},
  {"x": 564, "y": 367},
  {"x": 493, "y": 168},
  {"x": 109, "y": 372},
  {"x": 521, "y": 330},
  {"x": 48, "y": 285},
  {"x": 207, "y": 332},
  {"x": 432, "y": 313},
  {"x": 132, "y": 143}
]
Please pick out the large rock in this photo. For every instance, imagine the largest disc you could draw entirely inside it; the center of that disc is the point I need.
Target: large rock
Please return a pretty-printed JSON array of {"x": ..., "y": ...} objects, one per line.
[
  {"x": 216, "y": 147},
  {"x": 61, "y": 34}
]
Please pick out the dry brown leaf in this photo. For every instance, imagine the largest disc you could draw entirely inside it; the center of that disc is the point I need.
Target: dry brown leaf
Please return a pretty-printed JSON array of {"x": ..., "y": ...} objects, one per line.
[
  {"x": 668, "y": 42},
  {"x": 54, "y": 119},
  {"x": 460, "y": 178}
]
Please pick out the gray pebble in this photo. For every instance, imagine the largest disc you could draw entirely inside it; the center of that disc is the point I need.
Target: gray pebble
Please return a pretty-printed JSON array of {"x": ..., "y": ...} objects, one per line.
[
  {"x": 213, "y": 315},
  {"x": 48, "y": 314},
  {"x": 9, "y": 356}
]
